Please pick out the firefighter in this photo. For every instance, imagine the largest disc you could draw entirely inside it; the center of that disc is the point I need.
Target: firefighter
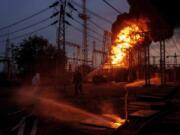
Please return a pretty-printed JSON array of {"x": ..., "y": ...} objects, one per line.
[
  {"x": 77, "y": 80},
  {"x": 36, "y": 83}
]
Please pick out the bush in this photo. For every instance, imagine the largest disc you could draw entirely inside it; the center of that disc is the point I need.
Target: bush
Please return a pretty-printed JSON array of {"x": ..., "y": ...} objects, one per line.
[{"x": 3, "y": 79}]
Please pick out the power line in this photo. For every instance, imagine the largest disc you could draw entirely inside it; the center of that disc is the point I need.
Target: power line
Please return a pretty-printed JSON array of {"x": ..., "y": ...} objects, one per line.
[
  {"x": 92, "y": 13},
  {"x": 98, "y": 26},
  {"x": 115, "y": 9},
  {"x": 90, "y": 20},
  {"x": 29, "y": 17},
  {"x": 30, "y": 33},
  {"x": 24, "y": 28},
  {"x": 82, "y": 25},
  {"x": 78, "y": 29},
  {"x": 29, "y": 26}
]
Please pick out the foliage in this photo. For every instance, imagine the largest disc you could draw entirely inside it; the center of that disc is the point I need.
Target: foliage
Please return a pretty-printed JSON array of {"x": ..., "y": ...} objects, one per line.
[{"x": 36, "y": 54}]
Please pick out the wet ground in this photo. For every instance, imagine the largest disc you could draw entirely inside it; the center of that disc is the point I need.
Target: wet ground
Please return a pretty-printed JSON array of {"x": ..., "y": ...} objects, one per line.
[{"x": 149, "y": 109}]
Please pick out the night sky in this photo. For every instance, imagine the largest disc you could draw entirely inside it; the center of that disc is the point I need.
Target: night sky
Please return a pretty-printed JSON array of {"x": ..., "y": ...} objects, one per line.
[{"x": 13, "y": 10}]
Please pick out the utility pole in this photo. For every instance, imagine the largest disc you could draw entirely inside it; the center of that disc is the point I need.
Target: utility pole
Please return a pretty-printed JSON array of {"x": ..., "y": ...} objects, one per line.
[
  {"x": 61, "y": 39},
  {"x": 130, "y": 53},
  {"x": 61, "y": 44},
  {"x": 175, "y": 60},
  {"x": 147, "y": 65},
  {"x": 84, "y": 17},
  {"x": 175, "y": 67},
  {"x": 64, "y": 27},
  {"x": 162, "y": 62},
  {"x": 107, "y": 42},
  {"x": 139, "y": 63},
  {"x": 104, "y": 45},
  {"x": 61, "y": 27}
]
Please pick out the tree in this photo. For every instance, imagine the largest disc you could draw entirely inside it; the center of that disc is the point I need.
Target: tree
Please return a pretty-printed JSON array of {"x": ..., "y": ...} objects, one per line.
[{"x": 36, "y": 54}]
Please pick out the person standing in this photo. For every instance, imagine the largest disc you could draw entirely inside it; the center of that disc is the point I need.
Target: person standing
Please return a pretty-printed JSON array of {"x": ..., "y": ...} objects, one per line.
[
  {"x": 36, "y": 80},
  {"x": 36, "y": 83},
  {"x": 35, "y": 100},
  {"x": 77, "y": 80}
]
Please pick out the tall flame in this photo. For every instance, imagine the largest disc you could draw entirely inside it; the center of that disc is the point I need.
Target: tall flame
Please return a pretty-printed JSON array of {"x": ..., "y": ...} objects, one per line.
[{"x": 127, "y": 38}]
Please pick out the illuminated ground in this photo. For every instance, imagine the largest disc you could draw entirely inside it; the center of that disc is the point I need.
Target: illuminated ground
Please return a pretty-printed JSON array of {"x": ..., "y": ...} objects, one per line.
[{"x": 99, "y": 99}]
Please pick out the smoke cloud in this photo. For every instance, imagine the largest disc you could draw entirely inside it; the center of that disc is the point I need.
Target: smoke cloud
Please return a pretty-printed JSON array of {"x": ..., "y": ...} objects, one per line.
[{"x": 163, "y": 17}]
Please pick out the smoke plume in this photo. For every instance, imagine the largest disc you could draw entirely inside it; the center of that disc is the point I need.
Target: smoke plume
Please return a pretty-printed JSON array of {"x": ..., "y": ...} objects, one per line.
[{"x": 163, "y": 17}]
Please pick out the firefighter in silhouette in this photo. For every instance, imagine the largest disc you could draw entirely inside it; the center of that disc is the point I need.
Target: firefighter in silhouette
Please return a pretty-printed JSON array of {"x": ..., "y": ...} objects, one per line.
[
  {"x": 36, "y": 84},
  {"x": 77, "y": 80}
]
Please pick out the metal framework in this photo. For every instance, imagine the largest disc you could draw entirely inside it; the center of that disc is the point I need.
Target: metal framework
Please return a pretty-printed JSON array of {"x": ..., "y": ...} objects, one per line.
[
  {"x": 102, "y": 52},
  {"x": 84, "y": 17},
  {"x": 162, "y": 62},
  {"x": 147, "y": 73}
]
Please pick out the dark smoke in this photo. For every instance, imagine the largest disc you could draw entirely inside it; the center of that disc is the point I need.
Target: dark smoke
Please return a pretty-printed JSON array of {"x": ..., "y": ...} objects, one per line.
[{"x": 163, "y": 16}]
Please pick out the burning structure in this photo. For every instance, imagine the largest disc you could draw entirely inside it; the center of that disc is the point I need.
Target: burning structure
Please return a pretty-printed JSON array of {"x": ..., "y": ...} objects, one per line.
[
  {"x": 160, "y": 20},
  {"x": 132, "y": 33},
  {"x": 131, "y": 36}
]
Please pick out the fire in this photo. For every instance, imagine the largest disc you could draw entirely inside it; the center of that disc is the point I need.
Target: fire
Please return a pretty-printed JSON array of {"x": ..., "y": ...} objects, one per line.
[
  {"x": 127, "y": 38},
  {"x": 119, "y": 122},
  {"x": 116, "y": 120}
]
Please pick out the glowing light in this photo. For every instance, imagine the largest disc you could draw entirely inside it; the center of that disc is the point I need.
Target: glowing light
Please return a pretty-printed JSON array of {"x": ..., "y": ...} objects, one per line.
[
  {"x": 119, "y": 122},
  {"x": 116, "y": 121},
  {"x": 127, "y": 38}
]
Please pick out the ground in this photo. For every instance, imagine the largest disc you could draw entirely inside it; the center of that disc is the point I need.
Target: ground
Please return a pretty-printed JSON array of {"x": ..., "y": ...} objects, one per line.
[{"x": 57, "y": 110}]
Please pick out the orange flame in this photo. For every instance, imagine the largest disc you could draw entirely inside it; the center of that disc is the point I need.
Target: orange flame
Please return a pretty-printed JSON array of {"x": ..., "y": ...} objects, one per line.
[{"x": 127, "y": 38}]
